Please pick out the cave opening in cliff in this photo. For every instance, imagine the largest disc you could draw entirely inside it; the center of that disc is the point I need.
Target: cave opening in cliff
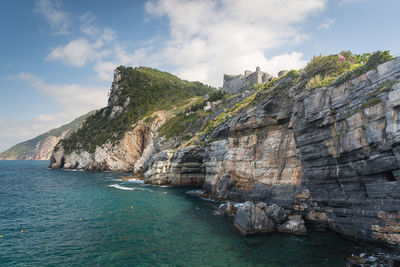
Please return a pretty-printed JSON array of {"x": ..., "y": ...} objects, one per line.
[{"x": 389, "y": 176}]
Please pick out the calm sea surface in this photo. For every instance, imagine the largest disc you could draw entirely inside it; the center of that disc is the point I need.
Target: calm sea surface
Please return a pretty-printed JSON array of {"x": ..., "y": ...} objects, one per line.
[{"x": 73, "y": 218}]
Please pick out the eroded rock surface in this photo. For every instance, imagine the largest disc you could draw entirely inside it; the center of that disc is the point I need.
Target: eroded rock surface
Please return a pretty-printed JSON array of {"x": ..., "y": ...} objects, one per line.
[
  {"x": 295, "y": 225},
  {"x": 127, "y": 155},
  {"x": 250, "y": 219},
  {"x": 348, "y": 139}
]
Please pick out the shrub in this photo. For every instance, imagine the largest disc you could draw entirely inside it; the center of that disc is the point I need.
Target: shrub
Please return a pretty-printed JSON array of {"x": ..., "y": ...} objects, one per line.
[
  {"x": 218, "y": 95},
  {"x": 318, "y": 81},
  {"x": 362, "y": 64},
  {"x": 325, "y": 66}
]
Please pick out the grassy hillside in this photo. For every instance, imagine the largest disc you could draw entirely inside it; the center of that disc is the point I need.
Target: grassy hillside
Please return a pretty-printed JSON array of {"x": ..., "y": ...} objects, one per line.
[
  {"x": 148, "y": 90},
  {"x": 19, "y": 150}
]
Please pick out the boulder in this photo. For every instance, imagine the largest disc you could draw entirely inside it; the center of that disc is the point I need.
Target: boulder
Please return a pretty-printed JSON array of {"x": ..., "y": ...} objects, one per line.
[
  {"x": 262, "y": 205},
  {"x": 227, "y": 209},
  {"x": 277, "y": 214},
  {"x": 250, "y": 219},
  {"x": 294, "y": 225}
]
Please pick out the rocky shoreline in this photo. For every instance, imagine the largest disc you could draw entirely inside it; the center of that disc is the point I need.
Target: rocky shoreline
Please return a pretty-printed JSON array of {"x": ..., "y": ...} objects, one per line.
[
  {"x": 250, "y": 218},
  {"x": 331, "y": 155}
]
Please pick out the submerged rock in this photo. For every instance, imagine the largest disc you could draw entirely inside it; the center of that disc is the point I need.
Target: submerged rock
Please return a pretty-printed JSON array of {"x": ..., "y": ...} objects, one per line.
[
  {"x": 295, "y": 225},
  {"x": 250, "y": 219}
]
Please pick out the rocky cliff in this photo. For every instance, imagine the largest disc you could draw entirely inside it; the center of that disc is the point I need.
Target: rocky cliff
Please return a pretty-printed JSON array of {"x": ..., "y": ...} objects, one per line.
[
  {"x": 329, "y": 152},
  {"x": 41, "y": 147}
]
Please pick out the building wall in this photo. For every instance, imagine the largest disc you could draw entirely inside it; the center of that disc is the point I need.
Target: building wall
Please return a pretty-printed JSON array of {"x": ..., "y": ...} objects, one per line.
[{"x": 234, "y": 84}]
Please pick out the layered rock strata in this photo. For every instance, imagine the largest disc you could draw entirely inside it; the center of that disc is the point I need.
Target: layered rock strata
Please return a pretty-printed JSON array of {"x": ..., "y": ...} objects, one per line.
[
  {"x": 331, "y": 154},
  {"x": 348, "y": 138}
]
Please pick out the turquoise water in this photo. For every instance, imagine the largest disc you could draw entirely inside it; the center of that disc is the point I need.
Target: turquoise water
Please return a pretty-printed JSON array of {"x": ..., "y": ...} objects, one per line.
[{"x": 85, "y": 219}]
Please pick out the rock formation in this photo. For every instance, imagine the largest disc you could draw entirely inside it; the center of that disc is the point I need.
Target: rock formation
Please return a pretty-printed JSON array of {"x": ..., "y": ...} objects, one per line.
[{"x": 330, "y": 154}]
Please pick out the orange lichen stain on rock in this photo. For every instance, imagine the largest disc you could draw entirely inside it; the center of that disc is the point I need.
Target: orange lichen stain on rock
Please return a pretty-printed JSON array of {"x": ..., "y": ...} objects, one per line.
[
  {"x": 319, "y": 217},
  {"x": 301, "y": 207},
  {"x": 390, "y": 232},
  {"x": 304, "y": 194},
  {"x": 389, "y": 214}
]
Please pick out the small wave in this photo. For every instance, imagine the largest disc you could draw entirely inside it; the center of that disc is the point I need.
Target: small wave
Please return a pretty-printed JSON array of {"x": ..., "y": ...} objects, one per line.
[
  {"x": 164, "y": 186},
  {"x": 208, "y": 199},
  {"x": 195, "y": 192},
  {"x": 121, "y": 187},
  {"x": 136, "y": 181},
  {"x": 118, "y": 186}
]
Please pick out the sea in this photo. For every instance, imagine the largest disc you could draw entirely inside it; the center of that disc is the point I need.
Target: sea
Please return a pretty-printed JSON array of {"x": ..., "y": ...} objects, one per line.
[{"x": 76, "y": 218}]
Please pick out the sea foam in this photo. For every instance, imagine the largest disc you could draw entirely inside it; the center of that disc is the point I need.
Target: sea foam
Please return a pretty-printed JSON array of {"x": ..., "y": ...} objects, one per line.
[{"x": 121, "y": 187}]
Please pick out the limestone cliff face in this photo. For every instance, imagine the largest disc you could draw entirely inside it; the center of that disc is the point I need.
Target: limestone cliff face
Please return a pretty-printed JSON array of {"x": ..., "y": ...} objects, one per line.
[
  {"x": 332, "y": 154},
  {"x": 348, "y": 138},
  {"x": 44, "y": 148},
  {"x": 126, "y": 155},
  {"x": 254, "y": 158}
]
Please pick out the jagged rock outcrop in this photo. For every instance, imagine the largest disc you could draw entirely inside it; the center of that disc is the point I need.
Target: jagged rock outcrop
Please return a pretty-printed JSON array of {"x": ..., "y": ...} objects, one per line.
[
  {"x": 260, "y": 218},
  {"x": 294, "y": 225},
  {"x": 127, "y": 155},
  {"x": 251, "y": 219}
]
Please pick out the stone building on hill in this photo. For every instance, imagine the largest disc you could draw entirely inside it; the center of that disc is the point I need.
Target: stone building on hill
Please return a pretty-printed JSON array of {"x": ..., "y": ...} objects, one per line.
[{"x": 234, "y": 84}]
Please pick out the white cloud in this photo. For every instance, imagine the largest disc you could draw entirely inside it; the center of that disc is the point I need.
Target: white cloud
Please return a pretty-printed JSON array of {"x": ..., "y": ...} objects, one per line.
[
  {"x": 105, "y": 69},
  {"x": 71, "y": 98},
  {"x": 108, "y": 35},
  {"x": 57, "y": 19},
  {"x": 344, "y": 2},
  {"x": 209, "y": 38},
  {"x": 78, "y": 52},
  {"x": 95, "y": 44},
  {"x": 206, "y": 39},
  {"x": 86, "y": 26},
  {"x": 327, "y": 23}
]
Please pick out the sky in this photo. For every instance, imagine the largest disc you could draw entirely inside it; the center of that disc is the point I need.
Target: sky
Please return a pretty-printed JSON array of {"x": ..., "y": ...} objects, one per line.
[{"x": 57, "y": 57}]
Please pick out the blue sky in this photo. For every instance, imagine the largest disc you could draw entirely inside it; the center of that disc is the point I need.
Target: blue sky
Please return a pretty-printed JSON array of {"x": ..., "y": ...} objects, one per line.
[{"x": 57, "y": 56}]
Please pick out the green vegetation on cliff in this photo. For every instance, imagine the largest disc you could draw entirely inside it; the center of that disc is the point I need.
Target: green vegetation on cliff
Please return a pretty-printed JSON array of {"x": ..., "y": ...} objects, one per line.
[{"x": 141, "y": 91}]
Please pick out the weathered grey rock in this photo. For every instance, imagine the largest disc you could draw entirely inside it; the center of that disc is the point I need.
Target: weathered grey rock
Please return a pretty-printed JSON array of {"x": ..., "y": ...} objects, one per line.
[
  {"x": 250, "y": 219},
  {"x": 262, "y": 206},
  {"x": 350, "y": 155},
  {"x": 295, "y": 225},
  {"x": 277, "y": 214},
  {"x": 227, "y": 209}
]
